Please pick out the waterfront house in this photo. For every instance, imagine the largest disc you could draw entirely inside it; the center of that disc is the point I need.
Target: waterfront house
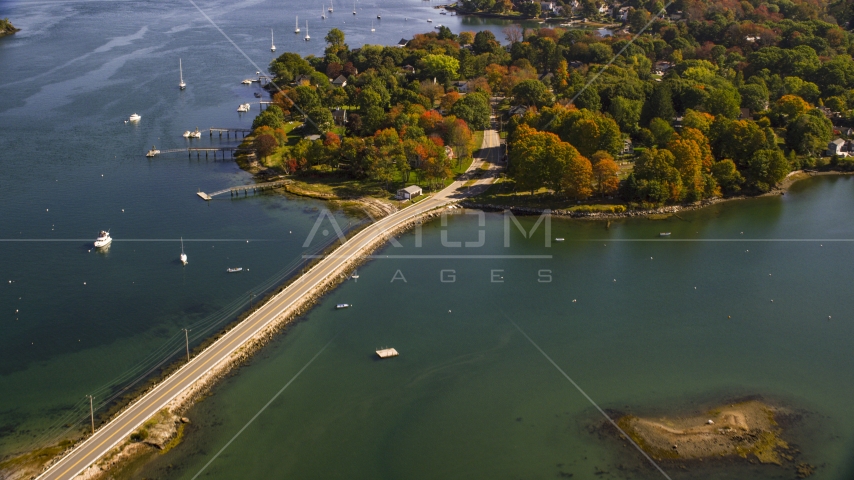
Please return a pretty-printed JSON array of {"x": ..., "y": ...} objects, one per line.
[
  {"x": 402, "y": 43},
  {"x": 835, "y": 147},
  {"x": 409, "y": 192},
  {"x": 461, "y": 85}
]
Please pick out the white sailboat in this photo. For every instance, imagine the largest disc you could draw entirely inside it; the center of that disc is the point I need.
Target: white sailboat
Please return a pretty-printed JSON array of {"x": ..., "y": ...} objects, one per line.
[
  {"x": 307, "y": 38},
  {"x": 296, "y": 30},
  {"x": 330, "y": 7},
  {"x": 372, "y": 26},
  {"x": 181, "y": 85},
  {"x": 323, "y": 9},
  {"x": 354, "y": 7},
  {"x": 272, "y": 44},
  {"x": 183, "y": 255}
]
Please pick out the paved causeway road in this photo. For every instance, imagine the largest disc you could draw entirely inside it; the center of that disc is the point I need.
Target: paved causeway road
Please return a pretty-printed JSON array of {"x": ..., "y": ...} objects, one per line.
[{"x": 121, "y": 427}]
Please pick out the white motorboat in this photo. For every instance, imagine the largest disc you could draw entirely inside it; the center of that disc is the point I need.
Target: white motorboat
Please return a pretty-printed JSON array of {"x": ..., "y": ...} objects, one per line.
[
  {"x": 103, "y": 239},
  {"x": 244, "y": 107},
  {"x": 272, "y": 44},
  {"x": 234, "y": 270},
  {"x": 342, "y": 305},
  {"x": 181, "y": 85},
  {"x": 429, "y": 21},
  {"x": 135, "y": 117},
  {"x": 379, "y": 17},
  {"x": 307, "y": 38},
  {"x": 183, "y": 255},
  {"x": 664, "y": 234},
  {"x": 152, "y": 152},
  {"x": 248, "y": 81},
  {"x": 559, "y": 239},
  {"x": 296, "y": 30},
  {"x": 194, "y": 134}
]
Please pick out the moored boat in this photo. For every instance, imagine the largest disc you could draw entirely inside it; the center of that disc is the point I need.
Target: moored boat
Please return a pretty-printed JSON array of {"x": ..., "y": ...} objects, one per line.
[
  {"x": 234, "y": 270},
  {"x": 103, "y": 239},
  {"x": 342, "y": 305}
]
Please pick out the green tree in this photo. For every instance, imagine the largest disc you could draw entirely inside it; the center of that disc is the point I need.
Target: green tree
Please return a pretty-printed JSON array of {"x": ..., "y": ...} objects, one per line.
[
  {"x": 727, "y": 176},
  {"x": 661, "y": 131},
  {"x": 724, "y": 101},
  {"x": 626, "y": 113},
  {"x": 766, "y": 168},
  {"x": 443, "y": 67},
  {"x": 660, "y": 105},
  {"x": 809, "y": 134},
  {"x": 474, "y": 109},
  {"x": 532, "y": 93}
]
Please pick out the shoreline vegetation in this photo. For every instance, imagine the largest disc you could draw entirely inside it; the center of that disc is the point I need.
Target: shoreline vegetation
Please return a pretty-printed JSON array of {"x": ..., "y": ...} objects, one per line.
[
  {"x": 703, "y": 106},
  {"x": 749, "y": 429},
  {"x": 6, "y": 28}
]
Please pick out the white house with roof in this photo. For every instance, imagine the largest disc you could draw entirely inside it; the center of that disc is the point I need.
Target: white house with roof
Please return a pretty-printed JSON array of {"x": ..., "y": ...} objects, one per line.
[
  {"x": 835, "y": 148},
  {"x": 409, "y": 192}
]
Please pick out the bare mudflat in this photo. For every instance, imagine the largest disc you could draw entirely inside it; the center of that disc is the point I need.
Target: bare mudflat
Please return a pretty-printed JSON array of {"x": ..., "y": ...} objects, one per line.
[{"x": 746, "y": 429}]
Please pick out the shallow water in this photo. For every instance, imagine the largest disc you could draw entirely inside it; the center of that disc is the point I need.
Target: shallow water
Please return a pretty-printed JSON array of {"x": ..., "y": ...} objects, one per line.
[{"x": 469, "y": 396}]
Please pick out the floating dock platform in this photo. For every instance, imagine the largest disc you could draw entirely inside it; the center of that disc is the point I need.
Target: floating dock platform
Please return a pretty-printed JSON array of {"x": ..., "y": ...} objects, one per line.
[{"x": 387, "y": 353}]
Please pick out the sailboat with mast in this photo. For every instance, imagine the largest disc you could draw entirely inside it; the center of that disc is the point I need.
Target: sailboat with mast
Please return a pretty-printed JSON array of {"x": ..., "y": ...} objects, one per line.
[
  {"x": 183, "y": 255},
  {"x": 296, "y": 29},
  {"x": 307, "y": 38},
  {"x": 181, "y": 85},
  {"x": 354, "y": 7},
  {"x": 272, "y": 43},
  {"x": 322, "y": 12},
  {"x": 372, "y": 26}
]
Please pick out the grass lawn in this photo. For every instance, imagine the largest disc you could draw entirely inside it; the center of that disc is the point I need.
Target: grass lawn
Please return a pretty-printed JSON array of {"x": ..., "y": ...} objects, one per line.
[{"x": 501, "y": 193}]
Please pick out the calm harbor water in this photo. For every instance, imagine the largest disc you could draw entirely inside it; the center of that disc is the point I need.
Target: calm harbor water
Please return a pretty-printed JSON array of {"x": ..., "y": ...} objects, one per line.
[
  {"x": 76, "y": 322},
  {"x": 469, "y": 396}
]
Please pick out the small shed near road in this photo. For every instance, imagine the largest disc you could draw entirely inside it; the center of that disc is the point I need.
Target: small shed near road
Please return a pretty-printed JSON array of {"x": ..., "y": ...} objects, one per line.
[{"x": 409, "y": 192}]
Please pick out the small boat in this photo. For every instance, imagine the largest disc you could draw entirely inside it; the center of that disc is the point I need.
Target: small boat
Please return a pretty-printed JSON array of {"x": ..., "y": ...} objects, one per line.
[
  {"x": 354, "y": 7},
  {"x": 234, "y": 270},
  {"x": 152, "y": 152},
  {"x": 559, "y": 239},
  {"x": 342, "y": 305},
  {"x": 323, "y": 15},
  {"x": 443, "y": 13},
  {"x": 181, "y": 85},
  {"x": 664, "y": 234},
  {"x": 272, "y": 44},
  {"x": 244, "y": 107},
  {"x": 135, "y": 117},
  {"x": 296, "y": 30},
  {"x": 429, "y": 21},
  {"x": 330, "y": 9},
  {"x": 379, "y": 17},
  {"x": 354, "y": 276},
  {"x": 103, "y": 239},
  {"x": 257, "y": 95},
  {"x": 307, "y": 38},
  {"x": 194, "y": 134},
  {"x": 372, "y": 26},
  {"x": 183, "y": 255},
  {"x": 248, "y": 81}
]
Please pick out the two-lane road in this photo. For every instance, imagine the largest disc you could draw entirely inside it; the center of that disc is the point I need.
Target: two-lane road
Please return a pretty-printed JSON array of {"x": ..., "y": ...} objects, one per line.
[{"x": 110, "y": 434}]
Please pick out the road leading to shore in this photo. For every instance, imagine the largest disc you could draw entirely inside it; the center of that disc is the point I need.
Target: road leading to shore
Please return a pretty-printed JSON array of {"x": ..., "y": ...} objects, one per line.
[{"x": 121, "y": 427}]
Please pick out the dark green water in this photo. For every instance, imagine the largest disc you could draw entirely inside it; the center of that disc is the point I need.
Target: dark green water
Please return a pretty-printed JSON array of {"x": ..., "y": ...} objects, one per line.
[
  {"x": 71, "y": 167},
  {"x": 470, "y": 397}
]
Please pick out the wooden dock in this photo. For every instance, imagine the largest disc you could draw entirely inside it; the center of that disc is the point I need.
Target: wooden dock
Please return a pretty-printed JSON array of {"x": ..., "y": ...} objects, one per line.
[
  {"x": 387, "y": 353},
  {"x": 228, "y": 131},
  {"x": 243, "y": 188},
  {"x": 206, "y": 150}
]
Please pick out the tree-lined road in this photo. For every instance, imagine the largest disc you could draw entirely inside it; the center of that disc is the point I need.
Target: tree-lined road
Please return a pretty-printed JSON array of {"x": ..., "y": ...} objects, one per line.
[{"x": 121, "y": 427}]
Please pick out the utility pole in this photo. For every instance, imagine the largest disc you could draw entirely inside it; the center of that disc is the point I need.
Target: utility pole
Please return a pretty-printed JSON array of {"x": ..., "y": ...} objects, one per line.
[
  {"x": 187, "y": 343},
  {"x": 91, "y": 414}
]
